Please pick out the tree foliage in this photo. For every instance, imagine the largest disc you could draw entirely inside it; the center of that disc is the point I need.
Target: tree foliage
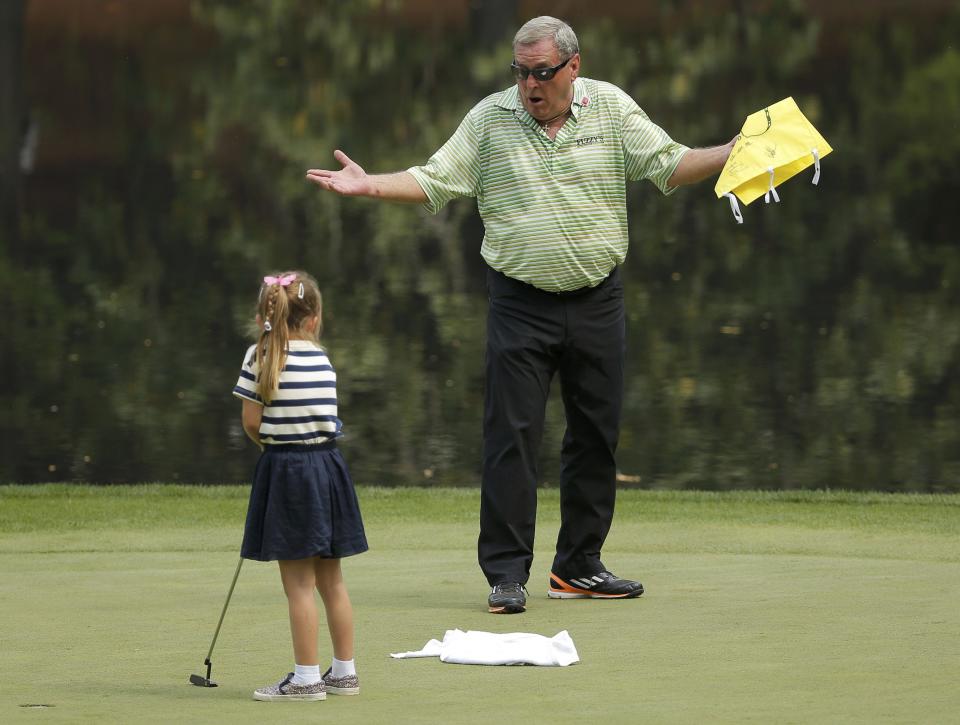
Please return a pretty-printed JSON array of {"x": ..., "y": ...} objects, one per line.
[{"x": 817, "y": 345}]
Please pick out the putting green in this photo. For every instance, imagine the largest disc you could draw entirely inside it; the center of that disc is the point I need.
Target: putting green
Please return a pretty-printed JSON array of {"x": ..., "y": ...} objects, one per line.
[{"x": 759, "y": 608}]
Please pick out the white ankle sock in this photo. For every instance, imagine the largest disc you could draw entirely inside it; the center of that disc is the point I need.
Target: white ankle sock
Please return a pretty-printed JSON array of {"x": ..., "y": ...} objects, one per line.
[
  {"x": 306, "y": 674},
  {"x": 342, "y": 668}
]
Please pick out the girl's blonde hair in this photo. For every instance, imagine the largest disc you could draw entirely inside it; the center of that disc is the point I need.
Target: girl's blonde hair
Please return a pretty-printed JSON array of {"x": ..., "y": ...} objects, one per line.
[{"x": 287, "y": 303}]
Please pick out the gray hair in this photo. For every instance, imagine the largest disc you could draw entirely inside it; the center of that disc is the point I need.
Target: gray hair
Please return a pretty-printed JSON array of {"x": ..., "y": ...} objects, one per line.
[{"x": 562, "y": 35}]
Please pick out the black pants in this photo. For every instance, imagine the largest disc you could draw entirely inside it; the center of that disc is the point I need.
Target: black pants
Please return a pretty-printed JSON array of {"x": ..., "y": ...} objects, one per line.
[{"x": 531, "y": 335}]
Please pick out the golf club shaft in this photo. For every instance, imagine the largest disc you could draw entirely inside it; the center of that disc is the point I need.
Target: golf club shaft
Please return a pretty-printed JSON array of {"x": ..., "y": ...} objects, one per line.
[{"x": 223, "y": 613}]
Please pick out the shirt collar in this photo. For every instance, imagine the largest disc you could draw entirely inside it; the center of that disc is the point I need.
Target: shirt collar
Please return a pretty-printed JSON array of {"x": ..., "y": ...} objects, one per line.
[
  {"x": 510, "y": 99},
  {"x": 581, "y": 100}
]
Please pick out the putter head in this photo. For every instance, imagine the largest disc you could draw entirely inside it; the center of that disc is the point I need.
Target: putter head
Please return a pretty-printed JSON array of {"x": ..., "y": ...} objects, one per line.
[{"x": 202, "y": 681}]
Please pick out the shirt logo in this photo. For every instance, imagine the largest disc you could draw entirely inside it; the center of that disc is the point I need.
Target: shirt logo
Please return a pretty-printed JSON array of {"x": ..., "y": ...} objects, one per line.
[{"x": 589, "y": 140}]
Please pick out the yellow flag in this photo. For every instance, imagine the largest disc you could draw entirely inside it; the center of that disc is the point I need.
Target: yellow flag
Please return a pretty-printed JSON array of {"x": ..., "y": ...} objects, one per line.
[{"x": 775, "y": 144}]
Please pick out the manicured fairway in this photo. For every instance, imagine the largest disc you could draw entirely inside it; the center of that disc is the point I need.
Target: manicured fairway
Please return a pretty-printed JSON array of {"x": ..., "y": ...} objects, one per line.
[{"x": 767, "y": 608}]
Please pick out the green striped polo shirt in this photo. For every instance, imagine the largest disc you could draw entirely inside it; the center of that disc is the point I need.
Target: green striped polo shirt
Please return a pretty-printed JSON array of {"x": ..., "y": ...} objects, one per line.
[{"x": 554, "y": 211}]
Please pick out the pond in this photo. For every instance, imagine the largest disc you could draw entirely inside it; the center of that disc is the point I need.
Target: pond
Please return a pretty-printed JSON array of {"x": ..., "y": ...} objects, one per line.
[{"x": 154, "y": 159}]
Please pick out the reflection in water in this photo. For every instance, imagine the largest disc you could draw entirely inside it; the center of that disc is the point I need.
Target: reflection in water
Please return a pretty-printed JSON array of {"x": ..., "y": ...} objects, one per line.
[{"x": 818, "y": 345}]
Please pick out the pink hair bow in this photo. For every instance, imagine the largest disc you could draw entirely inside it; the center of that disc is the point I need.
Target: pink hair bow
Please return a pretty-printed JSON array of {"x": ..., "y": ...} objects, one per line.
[{"x": 283, "y": 281}]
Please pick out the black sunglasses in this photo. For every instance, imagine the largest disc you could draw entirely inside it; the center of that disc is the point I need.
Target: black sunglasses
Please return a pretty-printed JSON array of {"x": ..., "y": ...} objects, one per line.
[{"x": 540, "y": 74}]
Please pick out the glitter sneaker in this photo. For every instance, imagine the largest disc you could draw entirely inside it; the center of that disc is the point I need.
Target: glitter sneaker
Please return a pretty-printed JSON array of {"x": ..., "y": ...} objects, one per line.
[
  {"x": 286, "y": 690},
  {"x": 348, "y": 685}
]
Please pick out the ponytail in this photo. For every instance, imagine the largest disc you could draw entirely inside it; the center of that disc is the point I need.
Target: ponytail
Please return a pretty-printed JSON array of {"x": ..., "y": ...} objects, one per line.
[
  {"x": 272, "y": 345},
  {"x": 287, "y": 301}
]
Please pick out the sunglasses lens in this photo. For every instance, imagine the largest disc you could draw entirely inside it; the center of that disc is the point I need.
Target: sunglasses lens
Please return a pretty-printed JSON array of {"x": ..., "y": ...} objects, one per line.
[{"x": 541, "y": 74}]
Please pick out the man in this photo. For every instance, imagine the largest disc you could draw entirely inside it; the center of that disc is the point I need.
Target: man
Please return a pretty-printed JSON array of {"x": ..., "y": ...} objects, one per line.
[{"x": 547, "y": 160}]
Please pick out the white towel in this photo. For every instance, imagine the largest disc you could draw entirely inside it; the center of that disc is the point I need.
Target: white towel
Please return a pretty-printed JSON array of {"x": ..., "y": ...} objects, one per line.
[{"x": 486, "y": 648}]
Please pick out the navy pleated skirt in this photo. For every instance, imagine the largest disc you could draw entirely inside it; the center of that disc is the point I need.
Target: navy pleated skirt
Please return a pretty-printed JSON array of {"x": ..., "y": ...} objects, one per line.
[{"x": 302, "y": 504}]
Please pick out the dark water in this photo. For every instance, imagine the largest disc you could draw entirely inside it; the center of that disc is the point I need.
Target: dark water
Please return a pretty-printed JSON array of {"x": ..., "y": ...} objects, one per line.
[{"x": 153, "y": 159}]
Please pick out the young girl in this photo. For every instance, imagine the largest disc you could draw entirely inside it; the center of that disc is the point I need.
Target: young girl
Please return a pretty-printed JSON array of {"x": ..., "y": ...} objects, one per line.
[{"x": 303, "y": 510}]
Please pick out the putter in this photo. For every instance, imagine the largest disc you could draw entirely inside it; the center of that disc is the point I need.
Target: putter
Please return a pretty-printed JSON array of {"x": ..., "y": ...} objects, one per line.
[{"x": 199, "y": 680}]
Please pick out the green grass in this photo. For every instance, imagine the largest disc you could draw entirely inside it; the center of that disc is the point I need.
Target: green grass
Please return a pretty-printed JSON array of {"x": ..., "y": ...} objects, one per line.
[{"x": 760, "y": 607}]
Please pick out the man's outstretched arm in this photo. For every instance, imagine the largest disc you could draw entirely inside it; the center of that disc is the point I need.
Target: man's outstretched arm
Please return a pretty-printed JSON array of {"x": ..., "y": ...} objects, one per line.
[
  {"x": 699, "y": 164},
  {"x": 352, "y": 180}
]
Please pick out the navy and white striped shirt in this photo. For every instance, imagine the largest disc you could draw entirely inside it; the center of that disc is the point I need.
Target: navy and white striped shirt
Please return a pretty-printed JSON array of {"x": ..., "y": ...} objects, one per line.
[{"x": 304, "y": 408}]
